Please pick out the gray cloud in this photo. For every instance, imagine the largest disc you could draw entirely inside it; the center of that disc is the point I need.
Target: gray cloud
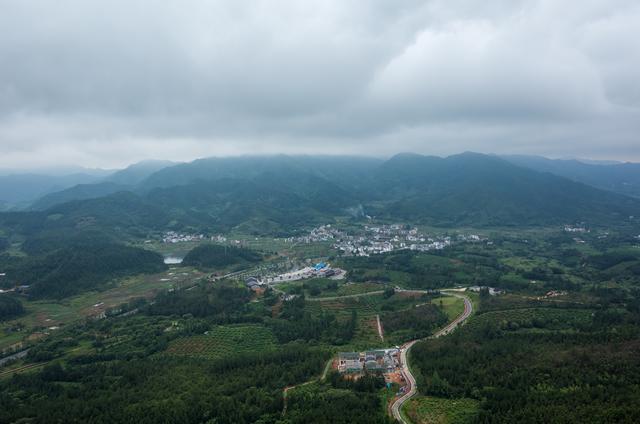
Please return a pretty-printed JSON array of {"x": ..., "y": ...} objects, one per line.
[{"x": 108, "y": 83}]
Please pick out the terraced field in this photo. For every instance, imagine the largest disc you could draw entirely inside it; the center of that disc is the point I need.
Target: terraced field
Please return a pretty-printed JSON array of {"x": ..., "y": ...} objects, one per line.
[{"x": 225, "y": 340}]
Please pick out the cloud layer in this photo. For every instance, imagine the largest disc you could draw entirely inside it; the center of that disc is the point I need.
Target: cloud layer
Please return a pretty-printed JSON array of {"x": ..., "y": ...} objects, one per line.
[{"x": 109, "y": 83}]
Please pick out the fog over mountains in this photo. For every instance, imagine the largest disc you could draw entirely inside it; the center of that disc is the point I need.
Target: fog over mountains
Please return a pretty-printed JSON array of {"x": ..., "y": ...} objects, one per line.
[{"x": 269, "y": 193}]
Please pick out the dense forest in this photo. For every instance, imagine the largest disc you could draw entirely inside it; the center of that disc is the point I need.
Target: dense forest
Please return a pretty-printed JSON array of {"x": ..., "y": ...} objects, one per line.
[
  {"x": 10, "y": 307},
  {"x": 413, "y": 323},
  {"x": 552, "y": 364},
  {"x": 208, "y": 256},
  {"x": 338, "y": 401},
  {"x": 235, "y": 390}
]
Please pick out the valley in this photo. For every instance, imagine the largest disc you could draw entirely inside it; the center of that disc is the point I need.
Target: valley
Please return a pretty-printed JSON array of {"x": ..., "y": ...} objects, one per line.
[{"x": 147, "y": 296}]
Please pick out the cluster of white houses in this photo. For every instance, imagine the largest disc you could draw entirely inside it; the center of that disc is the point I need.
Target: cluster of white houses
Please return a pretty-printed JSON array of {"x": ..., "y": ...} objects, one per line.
[
  {"x": 320, "y": 270},
  {"x": 375, "y": 361}
]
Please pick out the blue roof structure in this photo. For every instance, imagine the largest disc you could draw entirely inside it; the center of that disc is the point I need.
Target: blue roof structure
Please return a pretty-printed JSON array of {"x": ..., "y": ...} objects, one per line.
[{"x": 319, "y": 266}]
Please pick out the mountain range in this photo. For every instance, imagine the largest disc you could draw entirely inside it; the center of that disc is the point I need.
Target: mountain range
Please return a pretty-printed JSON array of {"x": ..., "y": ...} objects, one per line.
[
  {"x": 623, "y": 178},
  {"x": 274, "y": 194}
]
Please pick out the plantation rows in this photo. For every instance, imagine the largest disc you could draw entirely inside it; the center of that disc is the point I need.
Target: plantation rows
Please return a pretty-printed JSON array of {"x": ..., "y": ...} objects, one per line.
[
  {"x": 533, "y": 318},
  {"x": 222, "y": 341}
]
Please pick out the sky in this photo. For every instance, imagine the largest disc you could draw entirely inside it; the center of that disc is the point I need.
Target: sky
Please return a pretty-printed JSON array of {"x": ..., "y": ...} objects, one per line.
[{"x": 108, "y": 83}]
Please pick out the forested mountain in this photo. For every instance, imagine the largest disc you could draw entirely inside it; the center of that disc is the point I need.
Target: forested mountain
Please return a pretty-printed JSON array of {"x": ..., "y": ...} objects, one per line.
[
  {"x": 272, "y": 194},
  {"x": 123, "y": 180},
  {"x": 78, "y": 192},
  {"x": 474, "y": 189},
  {"x": 622, "y": 178},
  {"x": 343, "y": 170},
  {"x": 133, "y": 174}
]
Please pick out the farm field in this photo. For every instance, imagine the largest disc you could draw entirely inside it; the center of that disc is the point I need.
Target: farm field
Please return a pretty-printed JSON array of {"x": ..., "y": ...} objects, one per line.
[
  {"x": 222, "y": 341},
  {"x": 44, "y": 314},
  {"x": 366, "y": 308},
  {"x": 433, "y": 410},
  {"x": 325, "y": 287}
]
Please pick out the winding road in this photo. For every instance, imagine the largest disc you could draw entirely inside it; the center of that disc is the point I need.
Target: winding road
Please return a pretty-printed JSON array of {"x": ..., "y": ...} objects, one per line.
[{"x": 396, "y": 407}]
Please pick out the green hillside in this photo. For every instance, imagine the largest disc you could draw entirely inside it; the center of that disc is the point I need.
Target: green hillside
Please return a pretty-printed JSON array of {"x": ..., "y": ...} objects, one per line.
[{"x": 208, "y": 256}]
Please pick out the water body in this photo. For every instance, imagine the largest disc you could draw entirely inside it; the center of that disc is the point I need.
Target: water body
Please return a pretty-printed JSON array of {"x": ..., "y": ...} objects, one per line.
[{"x": 172, "y": 260}]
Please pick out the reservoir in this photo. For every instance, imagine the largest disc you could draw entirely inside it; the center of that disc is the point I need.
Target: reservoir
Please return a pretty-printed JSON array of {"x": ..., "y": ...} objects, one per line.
[{"x": 172, "y": 260}]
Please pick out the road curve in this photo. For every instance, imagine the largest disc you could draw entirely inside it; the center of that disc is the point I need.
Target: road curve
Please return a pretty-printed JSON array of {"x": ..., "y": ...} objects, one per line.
[{"x": 396, "y": 407}]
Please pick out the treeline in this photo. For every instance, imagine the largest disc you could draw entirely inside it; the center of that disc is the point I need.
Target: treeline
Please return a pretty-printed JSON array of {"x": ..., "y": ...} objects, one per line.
[
  {"x": 214, "y": 255},
  {"x": 222, "y": 301},
  {"x": 61, "y": 267}
]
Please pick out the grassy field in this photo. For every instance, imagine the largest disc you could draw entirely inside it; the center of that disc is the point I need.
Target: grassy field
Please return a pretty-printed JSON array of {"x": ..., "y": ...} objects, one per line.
[
  {"x": 452, "y": 306},
  {"x": 224, "y": 341},
  {"x": 432, "y": 410}
]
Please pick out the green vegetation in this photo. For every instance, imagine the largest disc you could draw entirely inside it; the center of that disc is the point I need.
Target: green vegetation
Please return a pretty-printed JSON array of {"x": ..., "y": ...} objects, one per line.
[
  {"x": 208, "y": 256},
  {"x": 229, "y": 391},
  {"x": 224, "y": 301},
  {"x": 551, "y": 364},
  {"x": 10, "y": 307},
  {"x": 432, "y": 410},
  {"x": 72, "y": 269},
  {"x": 116, "y": 337},
  {"x": 452, "y": 306},
  {"x": 412, "y": 323},
  {"x": 225, "y": 341},
  {"x": 323, "y": 287},
  {"x": 338, "y": 401}
]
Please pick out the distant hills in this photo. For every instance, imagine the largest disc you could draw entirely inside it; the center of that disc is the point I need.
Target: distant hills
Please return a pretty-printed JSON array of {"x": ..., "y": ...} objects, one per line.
[
  {"x": 623, "y": 178},
  {"x": 475, "y": 189},
  {"x": 17, "y": 191},
  {"x": 138, "y": 172},
  {"x": 123, "y": 180},
  {"x": 274, "y": 194}
]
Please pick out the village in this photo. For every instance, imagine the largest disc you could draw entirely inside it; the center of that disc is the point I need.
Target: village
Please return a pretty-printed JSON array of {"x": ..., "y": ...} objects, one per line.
[
  {"x": 370, "y": 240},
  {"x": 381, "y": 239}
]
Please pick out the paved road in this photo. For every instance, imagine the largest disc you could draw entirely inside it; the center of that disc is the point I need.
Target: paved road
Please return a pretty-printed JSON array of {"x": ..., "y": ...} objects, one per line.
[
  {"x": 370, "y": 293},
  {"x": 17, "y": 355},
  {"x": 404, "y": 349},
  {"x": 346, "y": 296}
]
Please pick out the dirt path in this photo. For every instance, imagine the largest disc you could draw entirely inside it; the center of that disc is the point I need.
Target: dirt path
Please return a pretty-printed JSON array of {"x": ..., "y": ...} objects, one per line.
[{"x": 380, "y": 332}]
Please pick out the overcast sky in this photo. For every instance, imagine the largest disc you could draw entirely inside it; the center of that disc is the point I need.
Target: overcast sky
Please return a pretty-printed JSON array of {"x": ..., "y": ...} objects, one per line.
[{"x": 107, "y": 83}]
